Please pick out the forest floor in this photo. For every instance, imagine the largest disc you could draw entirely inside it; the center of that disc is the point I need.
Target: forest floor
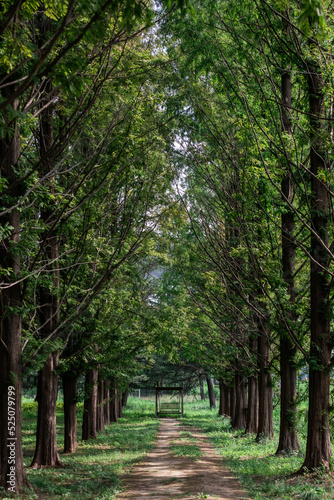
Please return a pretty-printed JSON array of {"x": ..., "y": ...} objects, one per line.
[{"x": 183, "y": 465}]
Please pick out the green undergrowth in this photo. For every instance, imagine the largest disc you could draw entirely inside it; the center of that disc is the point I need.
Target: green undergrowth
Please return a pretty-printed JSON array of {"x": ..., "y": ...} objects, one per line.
[
  {"x": 95, "y": 470},
  {"x": 263, "y": 474}
]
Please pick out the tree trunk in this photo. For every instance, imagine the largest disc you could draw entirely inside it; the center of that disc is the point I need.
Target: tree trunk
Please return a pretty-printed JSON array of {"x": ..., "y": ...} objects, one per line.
[
  {"x": 125, "y": 396},
  {"x": 252, "y": 423},
  {"x": 11, "y": 326},
  {"x": 26, "y": 382},
  {"x": 46, "y": 451},
  {"x": 221, "y": 397},
  {"x": 233, "y": 402},
  {"x": 113, "y": 402},
  {"x": 201, "y": 388},
  {"x": 266, "y": 425},
  {"x": 119, "y": 403},
  {"x": 239, "y": 417},
  {"x": 107, "y": 404},
  {"x": 227, "y": 400},
  {"x": 90, "y": 405},
  {"x": 318, "y": 448},
  {"x": 70, "y": 412},
  {"x": 211, "y": 392},
  {"x": 100, "y": 425},
  {"x": 288, "y": 438}
]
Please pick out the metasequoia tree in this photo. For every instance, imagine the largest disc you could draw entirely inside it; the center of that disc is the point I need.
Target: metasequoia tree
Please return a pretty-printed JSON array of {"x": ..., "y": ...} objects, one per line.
[
  {"x": 39, "y": 177},
  {"x": 213, "y": 334},
  {"x": 234, "y": 283},
  {"x": 47, "y": 389},
  {"x": 11, "y": 323},
  {"x": 10, "y": 96},
  {"x": 69, "y": 379},
  {"x": 249, "y": 61},
  {"x": 318, "y": 449},
  {"x": 288, "y": 439},
  {"x": 89, "y": 425}
]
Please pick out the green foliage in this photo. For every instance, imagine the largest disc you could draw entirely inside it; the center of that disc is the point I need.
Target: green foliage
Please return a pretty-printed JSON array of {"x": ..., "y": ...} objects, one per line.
[
  {"x": 312, "y": 16},
  {"x": 5, "y": 231}
]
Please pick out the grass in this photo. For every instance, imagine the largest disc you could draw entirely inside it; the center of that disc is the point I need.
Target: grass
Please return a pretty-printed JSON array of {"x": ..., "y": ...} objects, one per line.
[
  {"x": 184, "y": 446},
  {"x": 96, "y": 470},
  {"x": 187, "y": 436},
  {"x": 186, "y": 450},
  {"x": 93, "y": 472}
]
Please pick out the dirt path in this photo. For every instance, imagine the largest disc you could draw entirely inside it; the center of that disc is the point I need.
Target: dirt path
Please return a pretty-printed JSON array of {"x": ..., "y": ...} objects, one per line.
[{"x": 164, "y": 475}]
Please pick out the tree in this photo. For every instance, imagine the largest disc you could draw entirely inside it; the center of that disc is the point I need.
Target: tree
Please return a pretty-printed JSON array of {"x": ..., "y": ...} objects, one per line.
[
  {"x": 101, "y": 38},
  {"x": 11, "y": 324},
  {"x": 318, "y": 449},
  {"x": 249, "y": 61}
]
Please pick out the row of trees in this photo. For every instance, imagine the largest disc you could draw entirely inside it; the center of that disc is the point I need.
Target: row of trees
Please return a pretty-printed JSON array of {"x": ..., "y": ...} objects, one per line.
[
  {"x": 102, "y": 105},
  {"x": 254, "y": 147},
  {"x": 84, "y": 183}
]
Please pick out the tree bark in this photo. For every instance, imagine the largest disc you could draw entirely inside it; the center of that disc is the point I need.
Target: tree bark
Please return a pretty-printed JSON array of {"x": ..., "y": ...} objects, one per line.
[
  {"x": 90, "y": 405},
  {"x": 107, "y": 404},
  {"x": 221, "y": 397},
  {"x": 11, "y": 327},
  {"x": 252, "y": 423},
  {"x": 240, "y": 413},
  {"x": 70, "y": 412},
  {"x": 119, "y": 403},
  {"x": 113, "y": 402},
  {"x": 233, "y": 401},
  {"x": 100, "y": 424},
  {"x": 266, "y": 425},
  {"x": 227, "y": 400},
  {"x": 46, "y": 451},
  {"x": 211, "y": 392},
  {"x": 201, "y": 388},
  {"x": 288, "y": 438},
  {"x": 318, "y": 447},
  {"x": 125, "y": 396}
]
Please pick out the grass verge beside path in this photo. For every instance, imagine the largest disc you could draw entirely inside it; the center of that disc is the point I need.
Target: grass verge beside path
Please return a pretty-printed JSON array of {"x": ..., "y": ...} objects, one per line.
[
  {"x": 94, "y": 471},
  {"x": 262, "y": 473}
]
